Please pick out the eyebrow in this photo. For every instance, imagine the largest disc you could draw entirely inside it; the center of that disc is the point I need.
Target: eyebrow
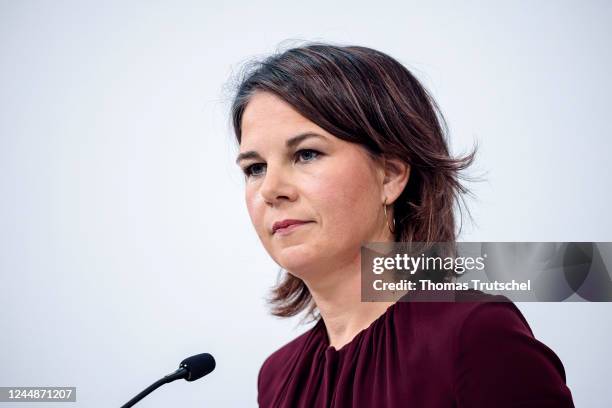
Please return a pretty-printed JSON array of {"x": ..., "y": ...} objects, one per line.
[{"x": 291, "y": 142}]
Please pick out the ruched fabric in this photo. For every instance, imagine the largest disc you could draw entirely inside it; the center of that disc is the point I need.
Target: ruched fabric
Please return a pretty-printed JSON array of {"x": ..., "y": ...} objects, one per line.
[{"x": 421, "y": 354}]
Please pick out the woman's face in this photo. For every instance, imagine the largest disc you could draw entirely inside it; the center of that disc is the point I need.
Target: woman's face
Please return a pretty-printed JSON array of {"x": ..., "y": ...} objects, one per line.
[{"x": 295, "y": 170}]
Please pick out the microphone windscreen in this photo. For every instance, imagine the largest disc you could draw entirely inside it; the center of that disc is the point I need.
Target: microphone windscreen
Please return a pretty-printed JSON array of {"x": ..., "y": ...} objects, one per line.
[{"x": 198, "y": 366}]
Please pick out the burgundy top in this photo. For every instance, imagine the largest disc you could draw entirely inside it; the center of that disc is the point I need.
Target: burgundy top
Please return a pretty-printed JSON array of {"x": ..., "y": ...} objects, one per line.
[{"x": 418, "y": 354}]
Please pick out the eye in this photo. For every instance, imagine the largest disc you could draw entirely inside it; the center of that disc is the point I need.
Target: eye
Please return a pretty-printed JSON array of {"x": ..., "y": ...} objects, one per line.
[
  {"x": 307, "y": 154},
  {"x": 254, "y": 169},
  {"x": 303, "y": 155}
]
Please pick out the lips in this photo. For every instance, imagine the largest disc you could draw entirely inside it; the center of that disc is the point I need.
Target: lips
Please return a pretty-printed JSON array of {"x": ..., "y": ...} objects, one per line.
[{"x": 286, "y": 223}]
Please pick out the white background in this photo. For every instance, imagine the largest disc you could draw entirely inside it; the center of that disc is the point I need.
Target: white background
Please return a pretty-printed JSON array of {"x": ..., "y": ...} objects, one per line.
[{"x": 125, "y": 244}]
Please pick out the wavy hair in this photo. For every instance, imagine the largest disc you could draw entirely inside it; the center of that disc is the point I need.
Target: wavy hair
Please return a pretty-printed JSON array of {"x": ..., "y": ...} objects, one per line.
[{"x": 364, "y": 96}]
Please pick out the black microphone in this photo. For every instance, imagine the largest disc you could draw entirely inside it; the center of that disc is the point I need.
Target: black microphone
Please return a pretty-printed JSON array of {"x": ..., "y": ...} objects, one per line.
[{"x": 191, "y": 369}]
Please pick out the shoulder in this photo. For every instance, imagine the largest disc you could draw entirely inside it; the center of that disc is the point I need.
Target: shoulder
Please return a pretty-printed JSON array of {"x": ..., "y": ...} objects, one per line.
[
  {"x": 495, "y": 356},
  {"x": 474, "y": 321},
  {"x": 281, "y": 361},
  {"x": 486, "y": 349},
  {"x": 483, "y": 312},
  {"x": 449, "y": 317},
  {"x": 499, "y": 355}
]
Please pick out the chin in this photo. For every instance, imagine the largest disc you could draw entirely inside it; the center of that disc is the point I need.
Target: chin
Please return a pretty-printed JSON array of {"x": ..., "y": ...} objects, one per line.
[{"x": 296, "y": 258}]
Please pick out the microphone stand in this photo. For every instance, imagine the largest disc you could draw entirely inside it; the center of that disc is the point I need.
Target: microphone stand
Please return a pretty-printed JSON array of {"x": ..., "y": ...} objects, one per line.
[{"x": 182, "y": 372}]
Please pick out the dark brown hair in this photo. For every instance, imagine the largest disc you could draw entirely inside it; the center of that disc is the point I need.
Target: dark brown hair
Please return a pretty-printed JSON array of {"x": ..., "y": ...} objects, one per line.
[{"x": 364, "y": 96}]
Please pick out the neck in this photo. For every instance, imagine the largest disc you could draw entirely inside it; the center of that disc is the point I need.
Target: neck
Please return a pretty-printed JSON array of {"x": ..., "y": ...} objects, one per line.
[
  {"x": 337, "y": 294},
  {"x": 336, "y": 290}
]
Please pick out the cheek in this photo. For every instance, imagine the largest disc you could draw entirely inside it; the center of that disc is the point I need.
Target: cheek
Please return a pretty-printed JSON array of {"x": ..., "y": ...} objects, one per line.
[
  {"x": 347, "y": 202},
  {"x": 255, "y": 209}
]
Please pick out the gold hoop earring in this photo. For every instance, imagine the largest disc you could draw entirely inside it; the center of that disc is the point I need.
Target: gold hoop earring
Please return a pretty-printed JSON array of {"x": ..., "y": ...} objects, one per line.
[{"x": 392, "y": 229}]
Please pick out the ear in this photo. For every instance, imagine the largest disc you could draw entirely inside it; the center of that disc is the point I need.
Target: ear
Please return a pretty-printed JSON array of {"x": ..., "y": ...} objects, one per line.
[{"x": 396, "y": 175}]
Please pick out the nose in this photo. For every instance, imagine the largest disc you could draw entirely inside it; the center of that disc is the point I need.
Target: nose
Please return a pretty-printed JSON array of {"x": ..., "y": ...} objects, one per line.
[{"x": 277, "y": 185}]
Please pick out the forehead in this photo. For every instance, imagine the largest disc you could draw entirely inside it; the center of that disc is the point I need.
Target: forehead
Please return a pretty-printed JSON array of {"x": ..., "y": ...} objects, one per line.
[{"x": 270, "y": 116}]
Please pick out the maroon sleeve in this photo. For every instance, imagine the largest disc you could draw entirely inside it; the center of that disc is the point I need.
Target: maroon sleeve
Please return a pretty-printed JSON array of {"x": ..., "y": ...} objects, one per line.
[
  {"x": 259, "y": 396},
  {"x": 500, "y": 363},
  {"x": 262, "y": 379}
]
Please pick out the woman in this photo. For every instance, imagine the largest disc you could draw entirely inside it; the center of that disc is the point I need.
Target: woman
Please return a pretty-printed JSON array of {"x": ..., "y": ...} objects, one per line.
[{"x": 342, "y": 146}]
